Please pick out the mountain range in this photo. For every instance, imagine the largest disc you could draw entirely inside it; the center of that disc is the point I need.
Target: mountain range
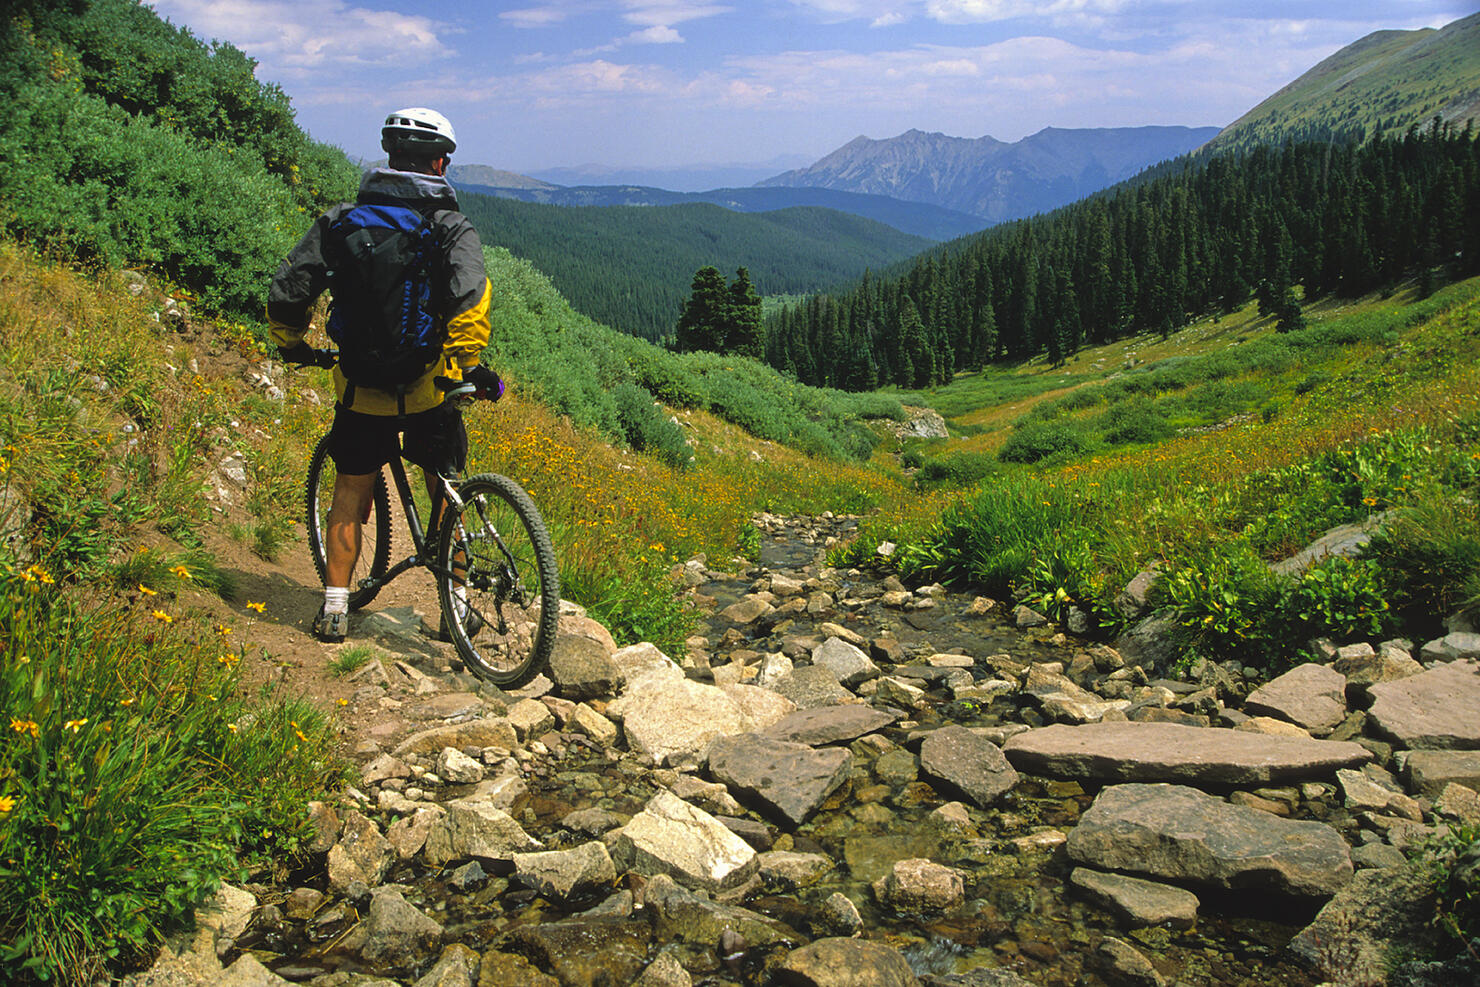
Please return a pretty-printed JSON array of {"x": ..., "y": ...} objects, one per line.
[{"x": 993, "y": 179}]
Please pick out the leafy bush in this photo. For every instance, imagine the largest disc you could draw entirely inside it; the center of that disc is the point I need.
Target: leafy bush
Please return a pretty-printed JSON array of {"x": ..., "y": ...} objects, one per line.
[
  {"x": 1033, "y": 443},
  {"x": 1340, "y": 598},
  {"x": 1136, "y": 420},
  {"x": 1452, "y": 859},
  {"x": 133, "y": 779},
  {"x": 646, "y": 429},
  {"x": 956, "y": 470},
  {"x": 1432, "y": 547}
]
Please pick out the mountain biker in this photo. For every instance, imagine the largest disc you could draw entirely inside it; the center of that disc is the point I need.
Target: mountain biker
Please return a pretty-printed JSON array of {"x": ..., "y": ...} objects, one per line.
[{"x": 364, "y": 436}]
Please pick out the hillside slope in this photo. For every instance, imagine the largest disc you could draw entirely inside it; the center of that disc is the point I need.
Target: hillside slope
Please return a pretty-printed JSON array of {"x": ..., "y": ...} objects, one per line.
[
  {"x": 992, "y": 179},
  {"x": 590, "y": 253},
  {"x": 1380, "y": 85}
]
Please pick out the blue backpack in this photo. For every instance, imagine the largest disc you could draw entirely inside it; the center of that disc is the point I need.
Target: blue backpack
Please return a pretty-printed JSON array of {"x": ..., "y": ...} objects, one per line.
[{"x": 382, "y": 261}]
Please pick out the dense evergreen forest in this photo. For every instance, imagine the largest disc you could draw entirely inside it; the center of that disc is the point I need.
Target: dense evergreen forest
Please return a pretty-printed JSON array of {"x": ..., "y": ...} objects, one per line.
[
  {"x": 589, "y": 252},
  {"x": 1332, "y": 218}
]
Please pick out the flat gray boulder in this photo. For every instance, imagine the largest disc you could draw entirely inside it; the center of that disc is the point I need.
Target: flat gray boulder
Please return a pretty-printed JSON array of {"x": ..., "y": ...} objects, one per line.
[
  {"x": 1438, "y": 710},
  {"x": 846, "y": 661},
  {"x": 829, "y": 724},
  {"x": 1310, "y": 696},
  {"x": 811, "y": 686},
  {"x": 1429, "y": 772},
  {"x": 1131, "y": 751},
  {"x": 669, "y": 719},
  {"x": 1136, "y": 902},
  {"x": 582, "y": 668},
  {"x": 1356, "y": 931},
  {"x": 476, "y": 827},
  {"x": 560, "y": 874},
  {"x": 1181, "y": 834},
  {"x": 973, "y": 765},
  {"x": 792, "y": 780}
]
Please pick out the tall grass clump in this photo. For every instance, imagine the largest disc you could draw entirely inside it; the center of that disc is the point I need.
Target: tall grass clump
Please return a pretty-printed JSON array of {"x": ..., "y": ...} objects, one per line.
[{"x": 135, "y": 775}]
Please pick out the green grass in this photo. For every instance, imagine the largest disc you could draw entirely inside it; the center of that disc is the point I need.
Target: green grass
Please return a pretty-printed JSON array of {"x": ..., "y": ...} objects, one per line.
[{"x": 353, "y": 656}]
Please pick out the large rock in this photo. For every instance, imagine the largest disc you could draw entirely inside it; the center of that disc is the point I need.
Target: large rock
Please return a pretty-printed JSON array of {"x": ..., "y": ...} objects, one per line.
[
  {"x": 1438, "y": 710},
  {"x": 396, "y": 933},
  {"x": 492, "y": 731},
  {"x": 585, "y": 951},
  {"x": 1310, "y": 696},
  {"x": 1430, "y": 771},
  {"x": 762, "y": 708},
  {"x": 846, "y": 963},
  {"x": 475, "y": 827},
  {"x": 582, "y": 668},
  {"x": 1358, "y": 929},
  {"x": 362, "y": 854},
  {"x": 686, "y": 917},
  {"x": 811, "y": 686},
  {"x": 829, "y": 724},
  {"x": 791, "y": 780},
  {"x": 670, "y": 719},
  {"x": 1136, "y": 902},
  {"x": 1129, "y": 751},
  {"x": 969, "y": 763},
  {"x": 1182, "y": 834},
  {"x": 562, "y": 874},
  {"x": 671, "y": 837},
  {"x": 849, "y": 665},
  {"x": 918, "y": 885}
]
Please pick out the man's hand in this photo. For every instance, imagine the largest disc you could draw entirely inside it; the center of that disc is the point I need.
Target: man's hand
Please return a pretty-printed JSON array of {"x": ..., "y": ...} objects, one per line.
[
  {"x": 488, "y": 382},
  {"x": 302, "y": 354}
]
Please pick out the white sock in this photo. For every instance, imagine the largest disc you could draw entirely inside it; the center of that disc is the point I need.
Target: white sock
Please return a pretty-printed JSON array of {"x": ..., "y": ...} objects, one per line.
[
  {"x": 460, "y": 602},
  {"x": 336, "y": 599}
]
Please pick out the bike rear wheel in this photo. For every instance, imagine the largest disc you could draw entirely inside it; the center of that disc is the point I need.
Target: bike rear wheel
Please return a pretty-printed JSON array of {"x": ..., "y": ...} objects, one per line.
[
  {"x": 375, "y": 533},
  {"x": 495, "y": 549}
]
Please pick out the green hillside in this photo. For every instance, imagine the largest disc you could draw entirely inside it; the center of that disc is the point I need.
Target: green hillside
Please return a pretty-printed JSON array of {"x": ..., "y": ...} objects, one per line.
[
  {"x": 1381, "y": 85},
  {"x": 588, "y": 252}
]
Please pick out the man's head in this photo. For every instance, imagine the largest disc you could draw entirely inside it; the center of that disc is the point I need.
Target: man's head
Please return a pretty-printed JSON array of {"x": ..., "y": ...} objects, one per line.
[{"x": 418, "y": 139}]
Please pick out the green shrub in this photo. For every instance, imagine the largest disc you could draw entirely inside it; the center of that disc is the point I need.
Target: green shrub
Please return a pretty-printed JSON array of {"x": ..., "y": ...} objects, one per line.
[
  {"x": 647, "y": 430},
  {"x": 1138, "y": 419},
  {"x": 133, "y": 779},
  {"x": 1222, "y": 602},
  {"x": 1034, "y": 443},
  {"x": 1339, "y": 598},
  {"x": 1452, "y": 860},
  {"x": 1432, "y": 548},
  {"x": 956, "y": 470}
]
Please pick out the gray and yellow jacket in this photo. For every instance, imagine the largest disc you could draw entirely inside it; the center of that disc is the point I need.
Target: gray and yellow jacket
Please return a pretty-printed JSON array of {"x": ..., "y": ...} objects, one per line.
[{"x": 463, "y": 297}]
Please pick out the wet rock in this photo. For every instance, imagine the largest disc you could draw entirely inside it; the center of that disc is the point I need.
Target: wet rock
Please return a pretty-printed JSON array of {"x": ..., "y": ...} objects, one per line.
[
  {"x": 772, "y": 668},
  {"x": 1123, "y": 964},
  {"x": 685, "y": 917},
  {"x": 475, "y": 827},
  {"x": 829, "y": 724},
  {"x": 397, "y": 934},
  {"x": 920, "y": 886},
  {"x": 665, "y": 971},
  {"x": 980, "y": 977},
  {"x": 670, "y": 720},
  {"x": 842, "y": 962},
  {"x": 1136, "y": 902},
  {"x": 562, "y": 874},
  {"x": 1182, "y": 834},
  {"x": 592, "y": 821},
  {"x": 1171, "y": 752},
  {"x": 812, "y": 686},
  {"x": 1151, "y": 643},
  {"x": 456, "y": 967},
  {"x": 302, "y": 903},
  {"x": 362, "y": 853},
  {"x": 974, "y": 766},
  {"x": 1026, "y": 617},
  {"x": 582, "y": 668},
  {"x": 838, "y": 916},
  {"x": 787, "y": 871},
  {"x": 1438, "y": 710},
  {"x": 711, "y": 796},
  {"x": 586, "y": 952},
  {"x": 849, "y": 665},
  {"x": 470, "y": 875},
  {"x": 748, "y": 610},
  {"x": 502, "y": 969},
  {"x": 1310, "y": 696},
  {"x": 792, "y": 780},
  {"x": 1131, "y": 602},
  {"x": 671, "y": 837},
  {"x": 1354, "y": 933},
  {"x": 892, "y": 691}
]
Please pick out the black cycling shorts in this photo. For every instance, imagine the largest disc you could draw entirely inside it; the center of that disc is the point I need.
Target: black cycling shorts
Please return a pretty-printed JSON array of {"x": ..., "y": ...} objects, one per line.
[{"x": 434, "y": 440}]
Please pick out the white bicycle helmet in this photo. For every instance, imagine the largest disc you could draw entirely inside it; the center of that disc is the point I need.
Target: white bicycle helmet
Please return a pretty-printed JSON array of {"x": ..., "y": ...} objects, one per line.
[{"x": 418, "y": 130}]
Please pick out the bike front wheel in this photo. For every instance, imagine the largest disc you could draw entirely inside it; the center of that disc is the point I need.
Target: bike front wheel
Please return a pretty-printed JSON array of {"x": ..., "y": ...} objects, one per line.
[
  {"x": 375, "y": 531},
  {"x": 497, "y": 580}
]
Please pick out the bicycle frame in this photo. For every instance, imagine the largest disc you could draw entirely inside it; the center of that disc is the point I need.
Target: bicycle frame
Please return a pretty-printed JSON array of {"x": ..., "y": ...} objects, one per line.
[{"x": 419, "y": 538}]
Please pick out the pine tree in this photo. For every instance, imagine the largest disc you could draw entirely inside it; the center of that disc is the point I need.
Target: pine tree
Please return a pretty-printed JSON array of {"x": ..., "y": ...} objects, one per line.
[
  {"x": 744, "y": 333},
  {"x": 702, "y": 326}
]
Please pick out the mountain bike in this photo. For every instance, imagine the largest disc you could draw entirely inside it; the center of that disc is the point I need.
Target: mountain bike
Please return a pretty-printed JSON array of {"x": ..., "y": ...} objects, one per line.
[{"x": 498, "y": 585}]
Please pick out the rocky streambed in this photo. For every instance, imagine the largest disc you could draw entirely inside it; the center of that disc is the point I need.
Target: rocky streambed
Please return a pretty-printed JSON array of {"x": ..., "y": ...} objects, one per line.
[{"x": 854, "y": 782}]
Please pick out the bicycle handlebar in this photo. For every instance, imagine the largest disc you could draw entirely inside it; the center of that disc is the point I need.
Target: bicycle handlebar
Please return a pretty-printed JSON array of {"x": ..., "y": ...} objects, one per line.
[{"x": 456, "y": 390}]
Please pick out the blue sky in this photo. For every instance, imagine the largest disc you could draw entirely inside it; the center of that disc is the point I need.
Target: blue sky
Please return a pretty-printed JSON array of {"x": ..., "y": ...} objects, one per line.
[{"x": 652, "y": 83}]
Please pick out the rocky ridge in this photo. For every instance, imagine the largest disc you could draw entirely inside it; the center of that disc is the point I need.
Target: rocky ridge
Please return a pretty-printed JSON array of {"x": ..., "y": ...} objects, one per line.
[{"x": 849, "y": 781}]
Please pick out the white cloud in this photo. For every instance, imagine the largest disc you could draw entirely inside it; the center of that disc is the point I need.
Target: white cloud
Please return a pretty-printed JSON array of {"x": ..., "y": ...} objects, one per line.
[
  {"x": 302, "y": 35},
  {"x": 532, "y": 17},
  {"x": 986, "y": 11},
  {"x": 659, "y": 35},
  {"x": 666, "y": 13}
]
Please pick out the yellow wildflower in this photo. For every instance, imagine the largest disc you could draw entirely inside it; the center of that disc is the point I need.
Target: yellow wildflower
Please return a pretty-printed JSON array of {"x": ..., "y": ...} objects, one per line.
[
  {"x": 180, "y": 571},
  {"x": 259, "y": 607},
  {"x": 146, "y": 590},
  {"x": 163, "y": 617},
  {"x": 25, "y": 726},
  {"x": 7, "y": 802},
  {"x": 75, "y": 725}
]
